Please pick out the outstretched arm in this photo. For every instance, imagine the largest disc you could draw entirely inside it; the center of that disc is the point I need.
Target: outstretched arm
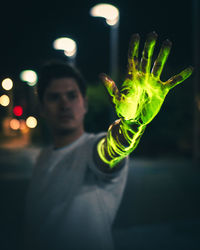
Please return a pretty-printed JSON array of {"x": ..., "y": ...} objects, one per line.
[{"x": 139, "y": 99}]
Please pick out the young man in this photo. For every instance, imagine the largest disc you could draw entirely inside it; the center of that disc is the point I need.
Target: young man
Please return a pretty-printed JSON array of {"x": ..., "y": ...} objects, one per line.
[{"x": 78, "y": 182}]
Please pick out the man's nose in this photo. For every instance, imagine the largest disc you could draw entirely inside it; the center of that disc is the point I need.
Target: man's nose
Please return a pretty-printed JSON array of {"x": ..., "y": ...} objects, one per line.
[{"x": 65, "y": 102}]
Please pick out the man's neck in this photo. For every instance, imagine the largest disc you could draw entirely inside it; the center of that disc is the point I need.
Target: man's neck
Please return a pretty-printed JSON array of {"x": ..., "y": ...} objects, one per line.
[{"x": 64, "y": 139}]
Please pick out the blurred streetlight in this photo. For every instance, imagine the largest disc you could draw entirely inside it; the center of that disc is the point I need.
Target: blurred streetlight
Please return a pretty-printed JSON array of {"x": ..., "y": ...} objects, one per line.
[
  {"x": 7, "y": 84},
  {"x": 31, "y": 122},
  {"x": 18, "y": 110},
  {"x": 29, "y": 76},
  {"x": 4, "y": 100},
  {"x": 111, "y": 14},
  {"x": 68, "y": 46},
  {"x": 14, "y": 124},
  {"x": 108, "y": 11}
]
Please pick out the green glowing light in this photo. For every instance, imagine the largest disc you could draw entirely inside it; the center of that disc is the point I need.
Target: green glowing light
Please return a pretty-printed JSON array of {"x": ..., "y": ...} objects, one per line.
[{"x": 139, "y": 99}]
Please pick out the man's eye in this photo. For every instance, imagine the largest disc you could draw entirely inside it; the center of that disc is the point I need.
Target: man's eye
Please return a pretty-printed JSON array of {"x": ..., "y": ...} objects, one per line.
[{"x": 72, "y": 95}]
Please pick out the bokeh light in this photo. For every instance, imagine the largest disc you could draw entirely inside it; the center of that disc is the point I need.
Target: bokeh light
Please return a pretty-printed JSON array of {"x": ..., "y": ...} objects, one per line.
[
  {"x": 17, "y": 110},
  {"x": 14, "y": 124},
  {"x": 22, "y": 124},
  {"x": 31, "y": 122},
  {"x": 29, "y": 76},
  {"x": 7, "y": 84},
  {"x": 4, "y": 100},
  {"x": 66, "y": 44},
  {"x": 108, "y": 11}
]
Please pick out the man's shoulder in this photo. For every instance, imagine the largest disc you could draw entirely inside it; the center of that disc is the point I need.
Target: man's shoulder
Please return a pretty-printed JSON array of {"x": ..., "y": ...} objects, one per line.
[
  {"x": 94, "y": 136},
  {"x": 91, "y": 140}
]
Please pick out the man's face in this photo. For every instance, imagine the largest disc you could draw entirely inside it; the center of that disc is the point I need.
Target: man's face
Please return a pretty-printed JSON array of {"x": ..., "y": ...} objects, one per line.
[{"x": 64, "y": 106}]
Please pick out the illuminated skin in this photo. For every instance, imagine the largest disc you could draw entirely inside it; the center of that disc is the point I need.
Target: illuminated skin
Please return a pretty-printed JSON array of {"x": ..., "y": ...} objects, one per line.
[{"x": 139, "y": 99}]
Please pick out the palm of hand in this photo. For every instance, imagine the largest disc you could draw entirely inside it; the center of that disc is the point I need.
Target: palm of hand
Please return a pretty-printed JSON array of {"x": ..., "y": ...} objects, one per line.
[
  {"x": 141, "y": 98},
  {"x": 142, "y": 93}
]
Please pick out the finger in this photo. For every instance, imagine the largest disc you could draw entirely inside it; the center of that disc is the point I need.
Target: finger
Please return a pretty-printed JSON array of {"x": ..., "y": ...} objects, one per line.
[
  {"x": 110, "y": 86},
  {"x": 182, "y": 76},
  {"x": 161, "y": 59},
  {"x": 147, "y": 53},
  {"x": 133, "y": 54}
]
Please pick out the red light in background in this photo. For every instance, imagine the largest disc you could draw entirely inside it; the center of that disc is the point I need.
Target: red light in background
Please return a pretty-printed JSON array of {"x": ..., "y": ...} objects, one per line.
[{"x": 17, "y": 110}]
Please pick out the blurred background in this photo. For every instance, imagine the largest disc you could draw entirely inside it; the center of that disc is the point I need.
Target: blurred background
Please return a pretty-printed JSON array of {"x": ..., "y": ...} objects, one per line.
[{"x": 160, "y": 209}]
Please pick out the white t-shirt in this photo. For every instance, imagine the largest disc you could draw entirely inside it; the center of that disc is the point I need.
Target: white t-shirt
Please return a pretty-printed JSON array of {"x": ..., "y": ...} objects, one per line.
[{"x": 71, "y": 203}]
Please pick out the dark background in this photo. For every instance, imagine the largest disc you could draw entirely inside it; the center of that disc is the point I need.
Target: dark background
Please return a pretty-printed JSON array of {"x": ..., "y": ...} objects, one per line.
[
  {"x": 29, "y": 28},
  {"x": 160, "y": 207}
]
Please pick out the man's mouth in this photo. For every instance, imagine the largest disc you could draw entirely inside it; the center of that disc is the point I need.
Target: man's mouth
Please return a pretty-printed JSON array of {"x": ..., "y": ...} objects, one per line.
[{"x": 65, "y": 116}]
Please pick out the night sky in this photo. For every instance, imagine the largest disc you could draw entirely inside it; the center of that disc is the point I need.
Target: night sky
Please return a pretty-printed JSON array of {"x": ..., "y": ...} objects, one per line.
[{"x": 29, "y": 28}]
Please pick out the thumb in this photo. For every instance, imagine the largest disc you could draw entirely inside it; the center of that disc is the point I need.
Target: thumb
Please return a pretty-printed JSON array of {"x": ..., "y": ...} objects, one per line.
[{"x": 110, "y": 86}]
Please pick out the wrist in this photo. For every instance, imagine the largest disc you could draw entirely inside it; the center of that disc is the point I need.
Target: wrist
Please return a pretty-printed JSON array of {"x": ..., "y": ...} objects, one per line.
[{"x": 133, "y": 125}]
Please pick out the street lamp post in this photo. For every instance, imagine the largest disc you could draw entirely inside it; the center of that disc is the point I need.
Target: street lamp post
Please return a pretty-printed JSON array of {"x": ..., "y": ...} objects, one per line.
[
  {"x": 68, "y": 46},
  {"x": 111, "y": 14},
  {"x": 196, "y": 39},
  {"x": 30, "y": 77},
  {"x": 114, "y": 51}
]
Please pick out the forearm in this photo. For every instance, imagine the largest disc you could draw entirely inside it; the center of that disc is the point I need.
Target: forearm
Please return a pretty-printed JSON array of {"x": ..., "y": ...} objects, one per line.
[
  {"x": 138, "y": 100},
  {"x": 122, "y": 138}
]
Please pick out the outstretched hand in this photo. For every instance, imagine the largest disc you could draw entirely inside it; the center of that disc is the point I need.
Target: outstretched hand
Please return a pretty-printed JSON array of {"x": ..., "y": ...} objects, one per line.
[{"x": 142, "y": 93}]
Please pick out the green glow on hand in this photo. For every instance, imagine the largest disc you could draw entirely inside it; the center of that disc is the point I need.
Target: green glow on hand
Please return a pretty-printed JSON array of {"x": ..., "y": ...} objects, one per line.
[
  {"x": 140, "y": 97},
  {"x": 119, "y": 142}
]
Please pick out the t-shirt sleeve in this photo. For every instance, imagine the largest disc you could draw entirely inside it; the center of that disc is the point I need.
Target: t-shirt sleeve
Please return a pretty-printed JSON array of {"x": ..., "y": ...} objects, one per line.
[{"x": 111, "y": 185}]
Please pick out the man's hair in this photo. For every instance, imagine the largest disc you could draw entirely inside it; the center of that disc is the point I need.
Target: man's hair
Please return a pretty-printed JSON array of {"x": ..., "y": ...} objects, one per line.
[{"x": 58, "y": 69}]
